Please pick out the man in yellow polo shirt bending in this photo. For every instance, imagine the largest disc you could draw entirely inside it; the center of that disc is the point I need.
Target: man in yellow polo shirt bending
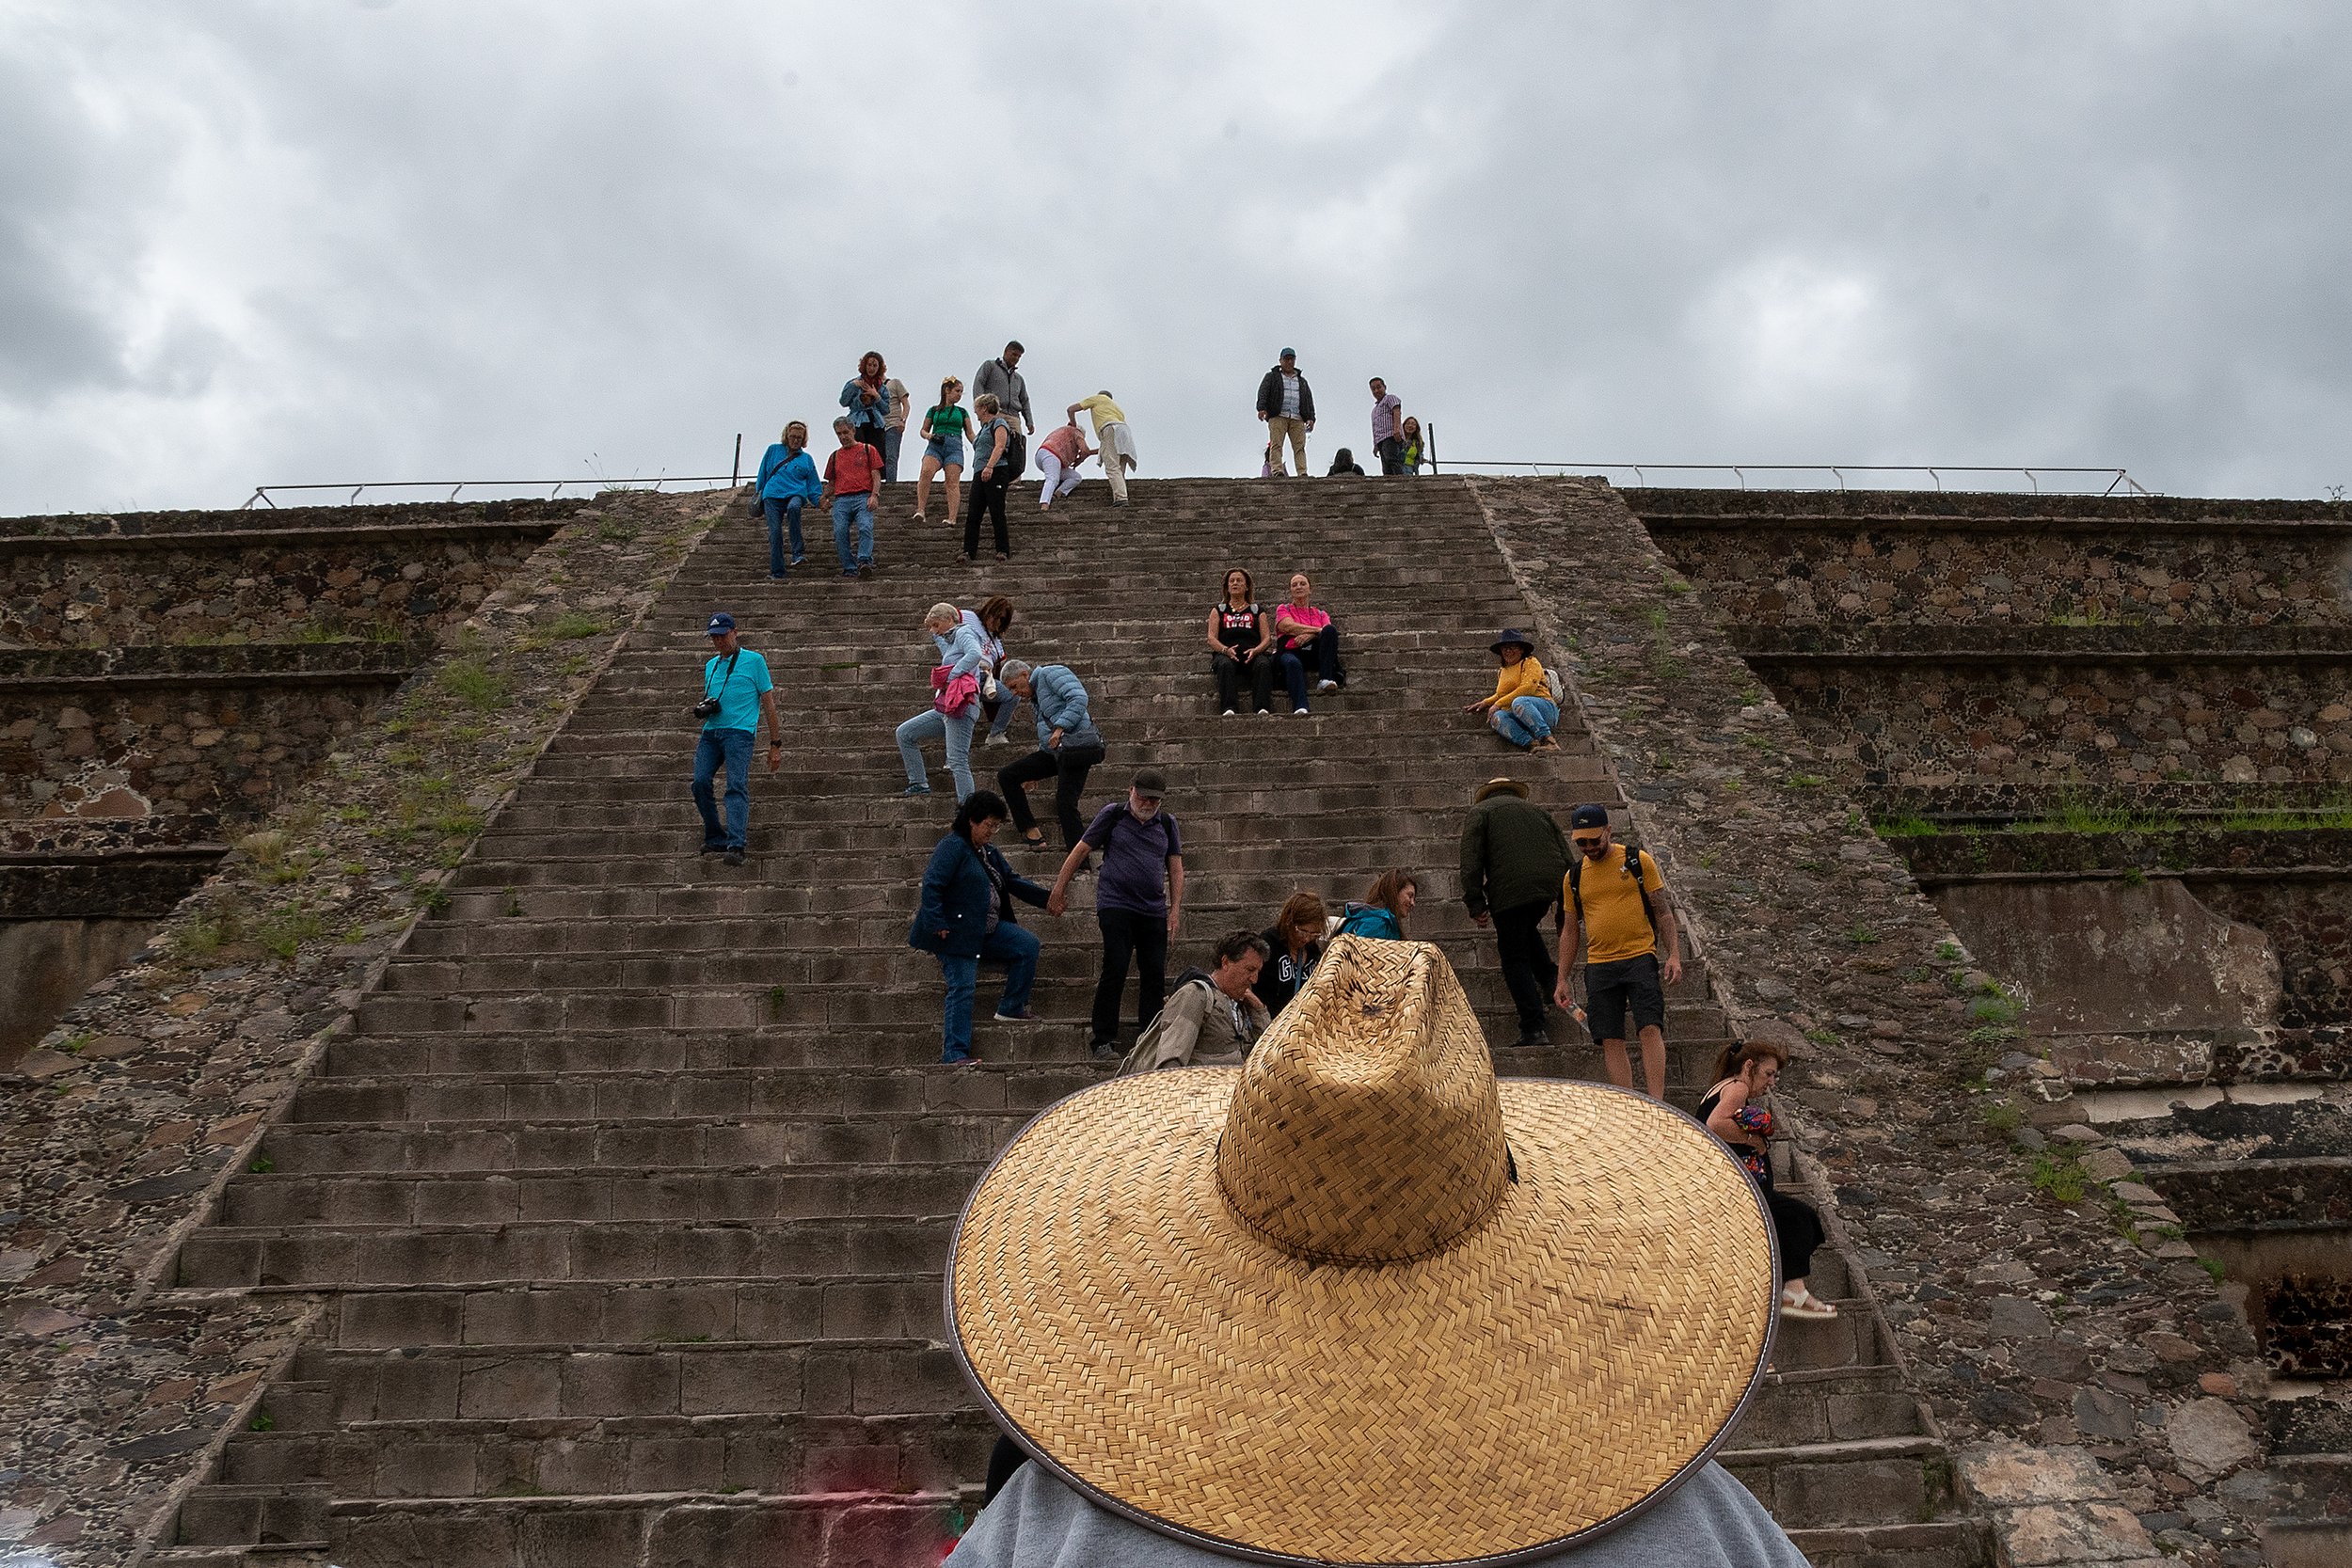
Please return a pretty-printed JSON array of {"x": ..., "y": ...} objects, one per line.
[{"x": 1616, "y": 910}]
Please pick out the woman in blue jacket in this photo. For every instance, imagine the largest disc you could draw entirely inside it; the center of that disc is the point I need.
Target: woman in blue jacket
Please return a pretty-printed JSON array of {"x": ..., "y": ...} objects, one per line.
[
  {"x": 967, "y": 915},
  {"x": 788, "y": 482},
  {"x": 961, "y": 656}
]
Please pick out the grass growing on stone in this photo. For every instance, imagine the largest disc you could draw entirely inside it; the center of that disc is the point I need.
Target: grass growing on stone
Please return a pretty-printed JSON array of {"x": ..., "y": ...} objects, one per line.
[
  {"x": 284, "y": 930},
  {"x": 570, "y": 626},
  {"x": 2003, "y": 1117},
  {"x": 1860, "y": 935},
  {"x": 472, "y": 682},
  {"x": 2059, "y": 1177},
  {"x": 1906, "y": 827}
]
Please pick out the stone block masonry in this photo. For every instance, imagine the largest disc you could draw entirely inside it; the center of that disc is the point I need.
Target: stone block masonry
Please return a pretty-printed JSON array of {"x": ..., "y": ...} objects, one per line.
[
  {"x": 1771, "y": 560},
  {"x": 2028, "y": 1323},
  {"x": 121, "y": 1130},
  {"x": 185, "y": 578},
  {"x": 186, "y": 734}
]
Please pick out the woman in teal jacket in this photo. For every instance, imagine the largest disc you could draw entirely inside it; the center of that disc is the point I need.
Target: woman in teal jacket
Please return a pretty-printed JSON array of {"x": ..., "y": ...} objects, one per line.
[
  {"x": 788, "y": 482},
  {"x": 1382, "y": 913}
]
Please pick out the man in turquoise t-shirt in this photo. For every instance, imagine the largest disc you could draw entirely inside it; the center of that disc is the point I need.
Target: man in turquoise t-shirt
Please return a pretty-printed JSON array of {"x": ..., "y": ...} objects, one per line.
[{"x": 735, "y": 679}]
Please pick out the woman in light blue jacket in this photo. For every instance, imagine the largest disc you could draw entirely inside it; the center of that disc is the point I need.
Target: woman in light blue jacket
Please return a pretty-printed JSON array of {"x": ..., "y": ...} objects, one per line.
[
  {"x": 960, "y": 655},
  {"x": 788, "y": 482}
]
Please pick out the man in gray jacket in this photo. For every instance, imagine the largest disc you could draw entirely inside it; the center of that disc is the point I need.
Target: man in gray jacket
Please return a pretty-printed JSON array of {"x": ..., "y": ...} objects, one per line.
[
  {"x": 1068, "y": 747},
  {"x": 1002, "y": 376}
]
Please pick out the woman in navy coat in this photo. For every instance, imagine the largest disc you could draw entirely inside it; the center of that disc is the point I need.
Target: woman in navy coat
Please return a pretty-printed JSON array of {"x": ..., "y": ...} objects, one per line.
[{"x": 967, "y": 915}]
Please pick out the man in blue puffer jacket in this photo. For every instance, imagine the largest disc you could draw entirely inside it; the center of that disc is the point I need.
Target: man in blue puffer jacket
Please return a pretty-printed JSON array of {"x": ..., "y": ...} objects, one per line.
[{"x": 967, "y": 915}]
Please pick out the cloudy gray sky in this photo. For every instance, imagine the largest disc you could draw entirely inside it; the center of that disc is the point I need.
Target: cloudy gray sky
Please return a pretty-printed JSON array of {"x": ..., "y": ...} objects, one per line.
[{"x": 393, "y": 239}]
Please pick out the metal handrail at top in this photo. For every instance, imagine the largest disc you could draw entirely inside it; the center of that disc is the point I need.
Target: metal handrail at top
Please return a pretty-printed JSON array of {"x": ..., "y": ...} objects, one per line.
[
  {"x": 2031, "y": 473},
  {"x": 554, "y": 487}
]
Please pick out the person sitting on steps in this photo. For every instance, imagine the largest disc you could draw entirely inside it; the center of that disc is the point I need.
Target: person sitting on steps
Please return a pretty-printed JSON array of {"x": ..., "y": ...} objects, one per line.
[
  {"x": 1617, "y": 911},
  {"x": 1385, "y": 908},
  {"x": 1302, "y": 632},
  {"x": 1213, "y": 1018},
  {"x": 1241, "y": 642},
  {"x": 955, "y": 703},
  {"x": 1294, "y": 947},
  {"x": 1068, "y": 747},
  {"x": 1521, "y": 709},
  {"x": 1732, "y": 1110},
  {"x": 967, "y": 915}
]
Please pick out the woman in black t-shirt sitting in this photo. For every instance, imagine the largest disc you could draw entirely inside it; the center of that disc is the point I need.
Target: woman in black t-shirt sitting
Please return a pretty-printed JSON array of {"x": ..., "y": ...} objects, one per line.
[{"x": 1241, "y": 642}]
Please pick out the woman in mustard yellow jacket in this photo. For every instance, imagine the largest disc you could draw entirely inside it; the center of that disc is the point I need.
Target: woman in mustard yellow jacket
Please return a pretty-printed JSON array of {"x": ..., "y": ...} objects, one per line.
[{"x": 1521, "y": 710}]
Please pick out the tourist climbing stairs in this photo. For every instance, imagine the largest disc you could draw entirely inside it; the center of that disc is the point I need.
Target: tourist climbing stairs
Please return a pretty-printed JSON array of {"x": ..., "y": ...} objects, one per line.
[{"x": 627, "y": 1200}]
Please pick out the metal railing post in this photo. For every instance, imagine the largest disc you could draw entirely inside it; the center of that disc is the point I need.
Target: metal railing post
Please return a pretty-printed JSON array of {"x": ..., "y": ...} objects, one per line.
[{"x": 735, "y": 475}]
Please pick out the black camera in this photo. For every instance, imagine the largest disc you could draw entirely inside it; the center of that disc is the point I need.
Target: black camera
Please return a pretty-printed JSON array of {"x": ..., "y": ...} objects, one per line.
[{"x": 707, "y": 708}]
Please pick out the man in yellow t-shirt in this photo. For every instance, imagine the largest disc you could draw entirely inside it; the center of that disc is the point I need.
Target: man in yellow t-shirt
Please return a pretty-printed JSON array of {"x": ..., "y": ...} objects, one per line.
[
  {"x": 1616, "y": 910},
  {"x": 1112, "y": 436}
]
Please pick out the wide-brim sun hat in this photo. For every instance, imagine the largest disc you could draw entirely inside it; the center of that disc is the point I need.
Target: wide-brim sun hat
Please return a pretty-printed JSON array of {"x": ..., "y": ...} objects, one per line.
[
  {"x": 1512, "y": 638},
  {"x": 1499, "y": 787},
  {"x": 1357, "y": 1302}
]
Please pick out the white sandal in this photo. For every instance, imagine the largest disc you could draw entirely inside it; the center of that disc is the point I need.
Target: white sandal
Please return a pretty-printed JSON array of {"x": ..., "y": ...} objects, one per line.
[{"x": 1805, "y": 1304}]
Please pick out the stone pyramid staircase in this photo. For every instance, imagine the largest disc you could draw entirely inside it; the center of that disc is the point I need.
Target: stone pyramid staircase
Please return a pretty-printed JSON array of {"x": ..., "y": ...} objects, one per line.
[{"x": 628, "y": 1199}]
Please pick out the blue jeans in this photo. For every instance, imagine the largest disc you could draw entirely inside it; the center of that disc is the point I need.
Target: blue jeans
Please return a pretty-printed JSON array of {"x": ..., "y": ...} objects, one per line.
[
  {"x": 1005, "y": 707},
  {"x": 734, "y": 748},
  {"x": 1527, "y": 720},
  {"x": 931, "y": 725},
  {"x": 1009, "y": 945},
  {"x": 860, "y": 510},
  {"x": 781, "y": 515},
  {"x": 891, "y": 439}
]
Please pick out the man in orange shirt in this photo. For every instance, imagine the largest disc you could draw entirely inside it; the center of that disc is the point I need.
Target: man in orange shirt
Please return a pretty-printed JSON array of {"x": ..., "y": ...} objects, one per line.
[
  {"x": 849, "y": 476},
  {"x": 1616, "y": 910}
]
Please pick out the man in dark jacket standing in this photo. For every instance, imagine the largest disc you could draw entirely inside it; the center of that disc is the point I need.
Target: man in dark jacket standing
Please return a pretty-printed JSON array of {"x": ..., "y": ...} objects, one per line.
[
  {"x": 1287, "y": 406},
  {"x": 1513, "y": 858}
]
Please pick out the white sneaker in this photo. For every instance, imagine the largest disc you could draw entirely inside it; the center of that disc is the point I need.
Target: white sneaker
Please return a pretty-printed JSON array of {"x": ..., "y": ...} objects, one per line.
[
  {"x": 1265, "y": 713},
  {"x": 1327, "y": 686},
  {"x": 1298, "y": 713},
  {"x": 993, "y": 739},
  {"x": 1227, "y": 714}
]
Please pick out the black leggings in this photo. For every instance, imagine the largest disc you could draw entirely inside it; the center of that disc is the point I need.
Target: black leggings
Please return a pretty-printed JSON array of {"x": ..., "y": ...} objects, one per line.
[
  {"x": 1798, "y": 1227},
  {"x": 1068, "y": 767},
  {"x": 988, "y": 493},
  {"x": 1230, "y": 673}
]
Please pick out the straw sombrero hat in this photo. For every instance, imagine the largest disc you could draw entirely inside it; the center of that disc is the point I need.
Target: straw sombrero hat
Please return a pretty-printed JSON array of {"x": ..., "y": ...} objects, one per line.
[{"x": 1359, "y": 1302}]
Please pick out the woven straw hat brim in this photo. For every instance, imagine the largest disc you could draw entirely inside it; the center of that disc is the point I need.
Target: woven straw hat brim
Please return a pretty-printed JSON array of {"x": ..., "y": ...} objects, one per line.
[{"x": 1547, "y": 1376}]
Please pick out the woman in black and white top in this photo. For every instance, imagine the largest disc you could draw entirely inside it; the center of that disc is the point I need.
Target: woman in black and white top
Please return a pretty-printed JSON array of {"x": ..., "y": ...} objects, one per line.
[{"x": 1241, "y": 642}]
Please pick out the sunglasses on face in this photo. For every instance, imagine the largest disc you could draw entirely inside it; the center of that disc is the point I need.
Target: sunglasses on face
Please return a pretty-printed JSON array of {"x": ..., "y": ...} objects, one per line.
[{"x": 1586, "y": 843}]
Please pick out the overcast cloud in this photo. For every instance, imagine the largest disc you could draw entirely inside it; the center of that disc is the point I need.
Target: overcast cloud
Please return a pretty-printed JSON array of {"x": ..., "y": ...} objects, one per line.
[{"x": 291, "y": 241}]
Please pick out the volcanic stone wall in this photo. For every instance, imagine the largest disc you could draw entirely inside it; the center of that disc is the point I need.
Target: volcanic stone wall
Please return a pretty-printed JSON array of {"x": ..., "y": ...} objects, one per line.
[
  {"x": 1784, "y": 559},
  {"x": 192, "y": 735},
  {"x": 395, "y": 572}
]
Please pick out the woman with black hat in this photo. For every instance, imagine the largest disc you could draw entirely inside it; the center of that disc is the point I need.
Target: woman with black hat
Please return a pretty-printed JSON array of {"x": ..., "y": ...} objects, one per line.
[{"x": 1521, "y": 710}]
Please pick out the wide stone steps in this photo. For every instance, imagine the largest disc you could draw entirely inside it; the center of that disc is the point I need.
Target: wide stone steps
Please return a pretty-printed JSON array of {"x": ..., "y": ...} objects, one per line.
[
  {"x": 1021, "y": 1061},
  {"x": 628, "y": 1199}
]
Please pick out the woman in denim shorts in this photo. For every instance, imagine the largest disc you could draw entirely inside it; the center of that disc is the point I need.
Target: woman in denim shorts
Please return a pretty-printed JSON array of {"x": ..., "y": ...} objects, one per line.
[{"x": 944, "y": 425}]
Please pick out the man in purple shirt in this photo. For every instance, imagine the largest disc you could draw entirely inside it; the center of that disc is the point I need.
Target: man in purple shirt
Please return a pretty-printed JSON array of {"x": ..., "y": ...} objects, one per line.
[
  {"x": 1388, "y": 422},
  {"x": 1138, "y": 897}
]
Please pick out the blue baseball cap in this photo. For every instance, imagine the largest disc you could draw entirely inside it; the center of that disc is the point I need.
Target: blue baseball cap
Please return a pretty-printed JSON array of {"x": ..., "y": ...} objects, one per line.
[
  {"x": 1288, "y": 353},
  {"x": 1589, "y": 816},
  {"x": 718, "y": 623}
]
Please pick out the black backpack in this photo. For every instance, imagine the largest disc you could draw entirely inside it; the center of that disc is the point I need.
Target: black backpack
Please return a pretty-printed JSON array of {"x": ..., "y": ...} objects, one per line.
[{"x": 1629, "y": 865}]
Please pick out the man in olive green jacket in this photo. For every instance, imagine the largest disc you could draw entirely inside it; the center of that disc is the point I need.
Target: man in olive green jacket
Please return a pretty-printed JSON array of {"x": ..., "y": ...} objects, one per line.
[{"x": 1513, "y": 858}]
